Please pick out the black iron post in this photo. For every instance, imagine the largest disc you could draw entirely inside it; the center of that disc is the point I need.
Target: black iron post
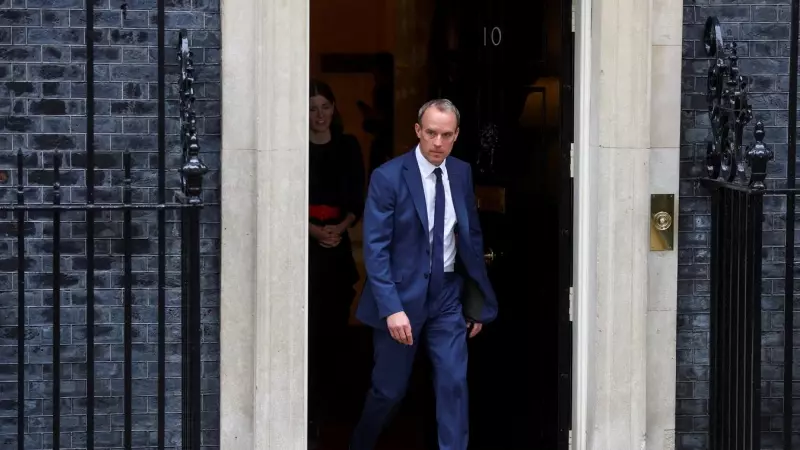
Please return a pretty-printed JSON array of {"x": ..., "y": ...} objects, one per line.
[
  {"x": 736, "y": 174},
  {"x": 20, "y": 302},
  {"x": 192, "y": 173},
  {"x": 788, "y": 306}
]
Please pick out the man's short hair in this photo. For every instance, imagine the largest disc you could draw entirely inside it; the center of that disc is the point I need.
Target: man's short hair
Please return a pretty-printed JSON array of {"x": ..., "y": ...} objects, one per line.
[{"x": 443, "y": 105}]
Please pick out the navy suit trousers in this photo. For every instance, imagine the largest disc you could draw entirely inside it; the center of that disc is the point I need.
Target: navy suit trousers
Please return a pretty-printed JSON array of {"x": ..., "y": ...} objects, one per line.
[{"x": 444, "y": 335}]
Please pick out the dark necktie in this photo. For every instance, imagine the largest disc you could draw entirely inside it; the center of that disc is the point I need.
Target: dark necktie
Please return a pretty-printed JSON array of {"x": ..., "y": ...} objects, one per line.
[{"x": 437, "y": 258}]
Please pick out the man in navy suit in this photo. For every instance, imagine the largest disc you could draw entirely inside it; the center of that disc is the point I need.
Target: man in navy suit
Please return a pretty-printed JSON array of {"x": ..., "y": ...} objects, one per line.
[{"x": 422, "y": 244}]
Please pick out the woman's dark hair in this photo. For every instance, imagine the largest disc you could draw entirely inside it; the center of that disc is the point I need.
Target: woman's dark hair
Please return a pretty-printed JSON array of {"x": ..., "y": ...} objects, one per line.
[{"x": 320, "y": 88}]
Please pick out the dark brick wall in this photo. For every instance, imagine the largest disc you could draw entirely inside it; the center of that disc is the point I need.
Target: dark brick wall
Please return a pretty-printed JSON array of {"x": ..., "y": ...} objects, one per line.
[
  {"x": 43, "y": 107},
  {"x": 761, "y": 28}
]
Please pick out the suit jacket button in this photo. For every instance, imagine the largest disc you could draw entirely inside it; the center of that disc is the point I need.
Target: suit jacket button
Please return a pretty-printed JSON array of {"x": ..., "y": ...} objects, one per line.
[{"x": 426, "y": 276}]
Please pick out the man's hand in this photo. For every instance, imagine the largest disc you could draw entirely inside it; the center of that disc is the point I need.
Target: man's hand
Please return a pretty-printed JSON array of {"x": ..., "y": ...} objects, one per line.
[
  {"x": 400, "y": 328},
  {"x": 474, "y": 328}
]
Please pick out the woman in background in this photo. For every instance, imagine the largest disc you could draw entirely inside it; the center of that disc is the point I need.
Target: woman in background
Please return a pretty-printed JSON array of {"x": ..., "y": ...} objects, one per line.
[{"x": 336, "y": 202}]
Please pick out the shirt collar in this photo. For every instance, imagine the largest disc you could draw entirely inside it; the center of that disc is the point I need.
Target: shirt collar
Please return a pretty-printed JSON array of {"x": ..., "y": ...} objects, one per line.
[{"x": 425, "y": 167}]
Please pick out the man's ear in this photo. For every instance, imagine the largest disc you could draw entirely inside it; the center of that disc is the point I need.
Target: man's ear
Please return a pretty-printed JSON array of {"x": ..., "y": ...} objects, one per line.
[
  {"x": 455, "y": 137},
  {"x": 418, "y": 130}
]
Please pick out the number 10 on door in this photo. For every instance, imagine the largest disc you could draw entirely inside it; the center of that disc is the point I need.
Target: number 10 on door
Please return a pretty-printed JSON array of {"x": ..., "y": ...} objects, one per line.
[{"x": 494, "y": 36}]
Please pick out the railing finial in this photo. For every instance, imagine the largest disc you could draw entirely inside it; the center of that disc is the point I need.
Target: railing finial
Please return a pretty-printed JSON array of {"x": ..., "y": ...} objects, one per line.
[
  {"x": 193, "y": 167},
  {"x": 757, "y": 157}
]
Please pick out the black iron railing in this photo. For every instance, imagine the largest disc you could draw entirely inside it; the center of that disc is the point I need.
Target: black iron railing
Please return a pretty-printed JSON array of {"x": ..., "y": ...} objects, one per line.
[
  {"x": 736, "y": 175},
  {"x": 187, "y": 200},
  {"x": 192, "y": 173},
  {"x": 735, "y": 350}
]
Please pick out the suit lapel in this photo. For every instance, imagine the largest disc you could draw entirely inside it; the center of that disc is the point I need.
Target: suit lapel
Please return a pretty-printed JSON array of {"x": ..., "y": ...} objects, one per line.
[
  {"x": 459, "y": 204},
  {"x": 414, "y": 182}
]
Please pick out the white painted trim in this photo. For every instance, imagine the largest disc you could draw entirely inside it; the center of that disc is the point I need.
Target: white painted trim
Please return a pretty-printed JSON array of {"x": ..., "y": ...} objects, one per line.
[
  {"x": 584, "y": 226},
  {"x": 306, "y": 105},
  {"x": 306, "y": 182}
]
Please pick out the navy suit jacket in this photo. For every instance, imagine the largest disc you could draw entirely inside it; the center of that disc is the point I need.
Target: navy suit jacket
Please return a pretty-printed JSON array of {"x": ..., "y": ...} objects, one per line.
[{"x": 397, "y": 246}]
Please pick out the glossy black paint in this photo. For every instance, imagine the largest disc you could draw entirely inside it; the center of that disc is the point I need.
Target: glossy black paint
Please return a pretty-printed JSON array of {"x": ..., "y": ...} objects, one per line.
[
  {"x": 20, "y": 215},
  {"x": 162, "y": 225},
  {"x": 735, "y": 350},
  {"x": 56, "y": 302},
  {"x": 192, "y": 173},
  {"x": 503, "y": 63},
  {"x": 90, "y": 228},
  {"x": 735, "y": 175}
]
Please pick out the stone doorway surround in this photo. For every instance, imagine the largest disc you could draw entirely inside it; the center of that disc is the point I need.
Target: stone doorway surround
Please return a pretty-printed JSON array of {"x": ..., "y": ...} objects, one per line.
[{"x": 627, "y": 94}]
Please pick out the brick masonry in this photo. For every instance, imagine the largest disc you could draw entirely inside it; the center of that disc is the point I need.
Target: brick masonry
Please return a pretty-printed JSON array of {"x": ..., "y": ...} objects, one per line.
[
  {"x": 43, "y": 104},
  {"x": 761, "y": 29}
]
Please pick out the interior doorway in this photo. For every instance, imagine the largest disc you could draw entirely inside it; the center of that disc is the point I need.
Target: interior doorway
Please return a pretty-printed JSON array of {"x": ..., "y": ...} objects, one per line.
[{"x": 507, "y": 65}]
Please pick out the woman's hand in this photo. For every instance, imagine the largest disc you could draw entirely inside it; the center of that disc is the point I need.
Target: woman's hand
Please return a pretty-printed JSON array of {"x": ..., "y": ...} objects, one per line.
[
  {"x": 335, "y": 233},
  {"x": 336, "y": 230},
  {"x": 324, "y": 236},
  {"x": 341, "y": 228},
  {"x": 317, "y": 232}
]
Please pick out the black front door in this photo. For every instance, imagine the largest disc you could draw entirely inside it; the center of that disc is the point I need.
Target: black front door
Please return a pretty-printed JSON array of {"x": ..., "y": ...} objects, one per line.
[{"x": 507, "y": 65}]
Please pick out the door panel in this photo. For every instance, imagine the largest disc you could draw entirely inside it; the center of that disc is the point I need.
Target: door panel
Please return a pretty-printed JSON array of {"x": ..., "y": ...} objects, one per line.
[{"x": 507, "y": 66}]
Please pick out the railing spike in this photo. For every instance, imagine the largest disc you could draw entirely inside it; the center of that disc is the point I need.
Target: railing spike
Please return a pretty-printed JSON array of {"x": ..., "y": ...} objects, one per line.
[{"x": 193, "y": 167}]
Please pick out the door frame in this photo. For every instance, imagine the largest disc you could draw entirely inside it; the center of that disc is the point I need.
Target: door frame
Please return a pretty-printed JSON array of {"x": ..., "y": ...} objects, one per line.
[
  {"x": 583, "y": 225},
  {"x": 263, "y": 320}
]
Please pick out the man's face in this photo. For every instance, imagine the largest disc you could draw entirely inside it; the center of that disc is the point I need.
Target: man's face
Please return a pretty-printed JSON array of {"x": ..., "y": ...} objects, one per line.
[{"x": 437, "y": 133}]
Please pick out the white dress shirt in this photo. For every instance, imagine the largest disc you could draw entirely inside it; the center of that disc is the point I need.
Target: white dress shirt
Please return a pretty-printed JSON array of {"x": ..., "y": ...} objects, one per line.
[{"x": 429, "y": 186}]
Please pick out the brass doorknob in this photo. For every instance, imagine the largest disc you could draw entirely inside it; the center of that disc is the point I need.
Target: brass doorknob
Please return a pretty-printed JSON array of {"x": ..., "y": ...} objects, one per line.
[
  {"x": 489, "y": 256},
  {"x": 662, "y": 220}
]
